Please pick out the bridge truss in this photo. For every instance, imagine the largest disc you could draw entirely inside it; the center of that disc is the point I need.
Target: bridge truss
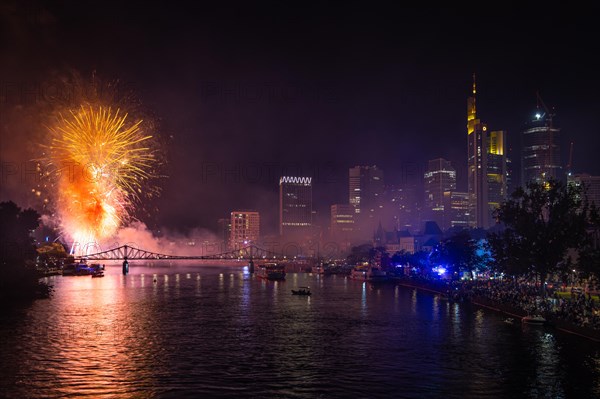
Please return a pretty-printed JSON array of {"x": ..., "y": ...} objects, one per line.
[{"x": 133, "y": 253}]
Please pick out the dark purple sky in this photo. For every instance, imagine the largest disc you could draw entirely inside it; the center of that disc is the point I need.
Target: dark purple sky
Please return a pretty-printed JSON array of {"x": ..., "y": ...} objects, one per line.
[{"x": 250, "y": 90}]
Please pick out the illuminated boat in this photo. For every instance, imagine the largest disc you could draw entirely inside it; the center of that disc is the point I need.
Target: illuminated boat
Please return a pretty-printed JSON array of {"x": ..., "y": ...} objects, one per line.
[
  {"x": 370, "y": 274},
  {"x": 271, "y": 271},
  {"x": 79, "y": 268}
]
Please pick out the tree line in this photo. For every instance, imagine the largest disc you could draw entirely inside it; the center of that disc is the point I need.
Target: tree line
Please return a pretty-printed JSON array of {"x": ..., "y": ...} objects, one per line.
[{"x": 543, "y": 230}]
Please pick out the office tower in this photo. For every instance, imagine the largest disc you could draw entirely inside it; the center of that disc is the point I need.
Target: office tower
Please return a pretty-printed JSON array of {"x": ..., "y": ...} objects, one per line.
[
  {"x": 366, "y": 195},
  {"x": 540, "y": 148},
  {"x": 456, "y": 208},
  {"x": 510, "y": 173},
  {"x": 440, "y": 177},
  {"x": 403, "y": 206},
  {"x": 486, "y": 167},
  {"x": 295, "y": 206},
  {"x": 245, "y": 228},
  {"x": 591, "y": 185},
  {"x": 224, "y": 231},
  {"x": 342, "y": 220},
  {"x": 496, "y": 171}
]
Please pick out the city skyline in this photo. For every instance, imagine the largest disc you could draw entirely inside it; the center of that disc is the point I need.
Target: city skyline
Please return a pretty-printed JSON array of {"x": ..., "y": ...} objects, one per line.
[
  {"x": 236, "y": 113},
  {"x": 299, "y": 199}
]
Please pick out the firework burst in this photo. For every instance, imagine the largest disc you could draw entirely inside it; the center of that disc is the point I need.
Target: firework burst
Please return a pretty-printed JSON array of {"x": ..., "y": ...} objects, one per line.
[{"x": 101, "y": 162}]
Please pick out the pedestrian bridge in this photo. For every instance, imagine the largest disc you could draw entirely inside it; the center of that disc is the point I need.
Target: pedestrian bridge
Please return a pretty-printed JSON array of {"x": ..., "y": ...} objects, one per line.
[{"x": 133, "y": 253}]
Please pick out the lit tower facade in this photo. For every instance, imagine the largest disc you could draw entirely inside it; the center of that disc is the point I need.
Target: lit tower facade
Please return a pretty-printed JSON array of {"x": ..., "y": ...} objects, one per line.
[
  {"x": 245, "y": 228},
  {"x": 497, "y": 172},
  {"x": 295, "y": 205},
  {"x": 342, "y": 220},
  {"x": 439, "y": 178},
  {"x": 540, "y": 156},
  {"x": 486, "y": 167},
  {"x": 366, "y": 191}
]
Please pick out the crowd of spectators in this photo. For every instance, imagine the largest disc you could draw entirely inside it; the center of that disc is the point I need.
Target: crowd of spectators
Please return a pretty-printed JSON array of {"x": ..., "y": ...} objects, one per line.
[
  {"x": 577, "y": 308},
  {"x": 572, "y": 305}
]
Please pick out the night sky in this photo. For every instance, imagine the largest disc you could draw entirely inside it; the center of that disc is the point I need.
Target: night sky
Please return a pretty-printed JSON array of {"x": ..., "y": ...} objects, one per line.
[{"x": 245, "y": 92}]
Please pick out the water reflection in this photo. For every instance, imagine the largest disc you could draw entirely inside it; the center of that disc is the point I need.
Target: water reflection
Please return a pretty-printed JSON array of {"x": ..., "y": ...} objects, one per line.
[
  {"x": 95, "y": 348},
  {"x": 124, "y": 336}
]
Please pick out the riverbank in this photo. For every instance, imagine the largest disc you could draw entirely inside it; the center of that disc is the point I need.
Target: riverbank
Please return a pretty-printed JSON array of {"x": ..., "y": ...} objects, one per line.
[{"x": 562, "y": 325}]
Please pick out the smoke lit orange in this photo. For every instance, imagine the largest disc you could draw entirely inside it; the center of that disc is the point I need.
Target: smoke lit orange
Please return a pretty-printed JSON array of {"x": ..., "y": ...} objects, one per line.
[{"x": 101, "y": 161}]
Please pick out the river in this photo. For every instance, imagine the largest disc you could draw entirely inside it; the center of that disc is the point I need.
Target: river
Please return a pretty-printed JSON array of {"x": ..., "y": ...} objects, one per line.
[{"x": 185, "y": 330}]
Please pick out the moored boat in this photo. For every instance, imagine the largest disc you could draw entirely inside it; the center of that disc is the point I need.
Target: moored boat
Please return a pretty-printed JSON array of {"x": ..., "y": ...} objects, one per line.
[
  {"x": 370, "y": 274},
  {"x": 302, "y": 291},
  {"x": 271, "y": 271},
  {"x": 98, "y": 273},
  {"x": 534, "y": 319},
  {"x": 79, "y": 268}
]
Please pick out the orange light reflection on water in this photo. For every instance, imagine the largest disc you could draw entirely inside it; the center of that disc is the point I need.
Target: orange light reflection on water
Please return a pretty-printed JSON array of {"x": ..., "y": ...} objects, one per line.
[{"x": 103, "y": 350}]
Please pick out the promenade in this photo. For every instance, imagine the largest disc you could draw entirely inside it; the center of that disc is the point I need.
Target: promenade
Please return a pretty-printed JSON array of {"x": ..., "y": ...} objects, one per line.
[{"x": 579, "y": 315}]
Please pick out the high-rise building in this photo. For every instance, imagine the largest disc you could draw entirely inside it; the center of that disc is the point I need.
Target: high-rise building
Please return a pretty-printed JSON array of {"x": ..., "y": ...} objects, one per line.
[
  {"x": 497, "y": 172},
  {"x": 366, "y": 195},
  {"x": 540, "y": 148},
  {"x": 245, "y": 228},
  {"x": 224, "y": 231},
  {"x": 486, "y": 167},
  {"x": 590, "y": 184},
  {"x": 295, "y": 206},
  {"x": 440, "y": 177},
  {"x": 403, "y": 207},
  {"x": 342, "y": 220},
  {"x": 457, "y": 208}
]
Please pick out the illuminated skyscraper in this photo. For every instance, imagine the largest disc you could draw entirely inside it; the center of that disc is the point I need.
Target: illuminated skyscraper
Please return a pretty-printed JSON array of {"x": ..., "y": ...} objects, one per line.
[
  {"x": 540, "y": 156},
  {"x": 295, "y": 206},
  {"x": 342, "y": 220},
  {"x": 439, "y": 178},
  {"x": 456, "y": 208},
  {"x": 496, "y": 171},
  {"x": 224, "y": 231},
  {"x": 403, "y": 206},
  {"x": 486, "y": 167},
  {"x": 366, "y": 195},
  {"x": 245, "y": 228}
]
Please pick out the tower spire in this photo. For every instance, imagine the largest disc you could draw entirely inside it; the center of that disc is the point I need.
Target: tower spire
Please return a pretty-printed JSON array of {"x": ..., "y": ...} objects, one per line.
[{"x": 472, "y": 108}]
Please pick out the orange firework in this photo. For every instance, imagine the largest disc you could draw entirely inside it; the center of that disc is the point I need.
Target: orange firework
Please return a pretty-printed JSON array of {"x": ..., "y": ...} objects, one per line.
[{"x": 101, "y": 162}]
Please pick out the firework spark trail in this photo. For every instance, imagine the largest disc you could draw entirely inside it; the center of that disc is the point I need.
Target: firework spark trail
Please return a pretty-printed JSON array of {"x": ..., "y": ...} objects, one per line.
[{"x": 114, "y": 158}]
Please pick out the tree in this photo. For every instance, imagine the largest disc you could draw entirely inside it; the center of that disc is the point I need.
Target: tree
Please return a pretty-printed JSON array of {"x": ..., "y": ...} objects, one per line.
[
  {"x": 17, "y": 255},
  {"x": 541, "y": 223},
  {"x": 588, "y": 255},
  {"x": 380, "y": 257},
  {"x": 52, "y": 255},
  {"x": 401, "y": 258},
  {"x": 359, "y": 254},
  {"x": 459, "y": 253}
]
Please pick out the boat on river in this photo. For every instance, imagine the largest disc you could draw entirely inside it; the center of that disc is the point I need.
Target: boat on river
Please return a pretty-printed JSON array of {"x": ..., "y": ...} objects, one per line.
[
  {"x": 301, "y": 291},
  {"x": 271, "y": 271},
  {"x": 370, "y": 274},
  {"x": 534, "y": 319}
]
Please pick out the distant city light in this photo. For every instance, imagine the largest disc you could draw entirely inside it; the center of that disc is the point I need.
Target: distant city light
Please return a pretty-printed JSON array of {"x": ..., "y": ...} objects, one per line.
[{"x": 538, "y": 116}]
